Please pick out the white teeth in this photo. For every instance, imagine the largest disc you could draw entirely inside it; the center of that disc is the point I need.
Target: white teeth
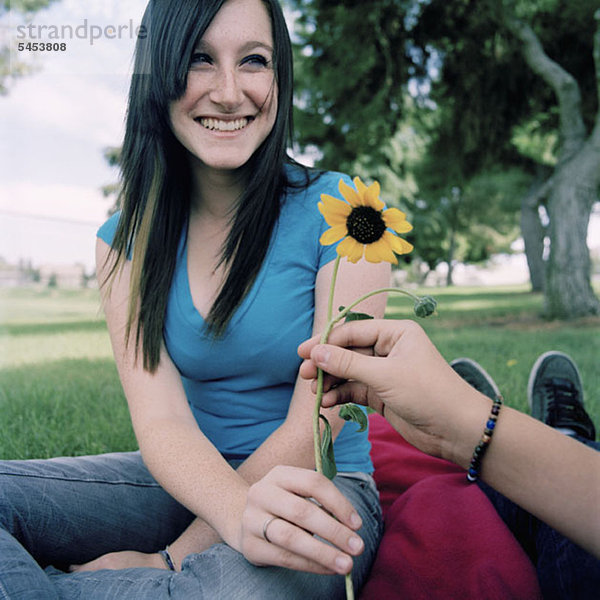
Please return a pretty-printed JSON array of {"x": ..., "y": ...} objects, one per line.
[{"x": 217, "y": 125}]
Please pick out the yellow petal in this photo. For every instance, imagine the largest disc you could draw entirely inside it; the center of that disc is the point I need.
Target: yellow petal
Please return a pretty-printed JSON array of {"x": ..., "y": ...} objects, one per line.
[
  {"x": 398, "y": 245},
  {"x": 396, "y": 220},
  {"x": 372, "y": 196},
  {"x": 333, "y": 235},
  {"x": 361, "y": 188},
  {"x": 333, "y": 210},
  {"x": 350, "y": 248},
  {"x": 380, "y": 251},
  {"x": 350, "y": 195}
]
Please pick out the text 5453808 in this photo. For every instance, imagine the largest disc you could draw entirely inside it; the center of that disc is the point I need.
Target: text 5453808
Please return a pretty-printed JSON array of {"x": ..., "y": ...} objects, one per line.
[{"x": 42, "y": 46}]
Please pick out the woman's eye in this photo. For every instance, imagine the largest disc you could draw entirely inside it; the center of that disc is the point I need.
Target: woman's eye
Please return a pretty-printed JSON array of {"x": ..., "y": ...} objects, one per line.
[
  {"x": 200, "y": 58},
  {"x": 256, "y": 60}
]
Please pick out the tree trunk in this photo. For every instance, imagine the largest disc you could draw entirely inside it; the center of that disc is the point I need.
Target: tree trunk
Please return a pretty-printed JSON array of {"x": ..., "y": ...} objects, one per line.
[
  {"x": 450, "y": 259},
  {"x": 533, "y": 234},
  {"x": 568, "y": 291},
  {"x": 573, "y": 187}
]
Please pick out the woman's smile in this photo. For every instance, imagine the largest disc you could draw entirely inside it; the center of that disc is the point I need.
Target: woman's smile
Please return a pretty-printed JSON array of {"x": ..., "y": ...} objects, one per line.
[{"x": 224, "y": 125}]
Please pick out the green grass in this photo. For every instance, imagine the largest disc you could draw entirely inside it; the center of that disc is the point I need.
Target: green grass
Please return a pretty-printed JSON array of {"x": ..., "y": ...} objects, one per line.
[
  {"x": 59, "y": 389},
  {"x": 60, "y": 393}
]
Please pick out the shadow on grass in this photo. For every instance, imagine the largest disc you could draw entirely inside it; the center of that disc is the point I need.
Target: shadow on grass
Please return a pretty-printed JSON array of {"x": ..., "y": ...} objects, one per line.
[
  {"x": 17, "y": 329},
  {"x": 63, "y": 408}
]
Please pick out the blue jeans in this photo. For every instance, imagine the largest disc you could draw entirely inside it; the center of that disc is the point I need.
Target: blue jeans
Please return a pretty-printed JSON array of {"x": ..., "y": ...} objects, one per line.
[
  {"x": 565, "y": 571},
  {"x": 64, "y": 511}
]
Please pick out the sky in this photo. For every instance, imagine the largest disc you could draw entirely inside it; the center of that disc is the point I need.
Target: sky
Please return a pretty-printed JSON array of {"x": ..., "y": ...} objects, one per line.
[{"x": 56, "y": 122}]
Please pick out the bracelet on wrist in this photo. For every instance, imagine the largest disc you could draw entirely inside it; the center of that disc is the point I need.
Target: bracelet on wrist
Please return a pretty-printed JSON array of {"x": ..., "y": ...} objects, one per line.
[
  {"x": 486, "y": 438},
  {"x": 167, "y": 558}
]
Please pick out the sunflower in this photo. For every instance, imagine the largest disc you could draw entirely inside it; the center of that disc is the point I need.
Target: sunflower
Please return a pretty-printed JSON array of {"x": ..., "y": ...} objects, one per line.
[{"x": 363, "y": 223}]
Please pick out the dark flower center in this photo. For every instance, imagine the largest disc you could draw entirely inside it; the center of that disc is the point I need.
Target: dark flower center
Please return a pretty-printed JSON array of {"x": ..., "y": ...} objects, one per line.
[{"x": 365, "y": 225}]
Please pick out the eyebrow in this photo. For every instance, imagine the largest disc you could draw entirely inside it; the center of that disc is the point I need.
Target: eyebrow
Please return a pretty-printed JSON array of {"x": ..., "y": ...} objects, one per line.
[{"x": 251, "y": 45}]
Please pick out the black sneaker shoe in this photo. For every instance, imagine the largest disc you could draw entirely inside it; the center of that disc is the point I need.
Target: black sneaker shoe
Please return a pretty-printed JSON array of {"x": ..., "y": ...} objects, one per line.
[
  {"x": 555, "y": 394},
  {"x": 476, "y": 376}
]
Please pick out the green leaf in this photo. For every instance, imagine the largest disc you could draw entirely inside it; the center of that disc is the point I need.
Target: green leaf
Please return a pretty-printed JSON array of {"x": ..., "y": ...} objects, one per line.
[
  {"x": 327, "y": 456},
  {"x": 354, "y": 316},
  {"x": 351, "y": 412}
]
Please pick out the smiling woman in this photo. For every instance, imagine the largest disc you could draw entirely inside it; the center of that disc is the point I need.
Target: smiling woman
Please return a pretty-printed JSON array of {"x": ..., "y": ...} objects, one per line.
[
  {"x": 230, "y": 102},
  {"x": 211, "y": 275}
]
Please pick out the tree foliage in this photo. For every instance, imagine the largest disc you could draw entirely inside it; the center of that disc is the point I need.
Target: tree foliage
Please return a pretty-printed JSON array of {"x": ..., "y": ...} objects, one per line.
[
  {"x": 485, "y": 83},
  {"x": 351, "y": 77}
]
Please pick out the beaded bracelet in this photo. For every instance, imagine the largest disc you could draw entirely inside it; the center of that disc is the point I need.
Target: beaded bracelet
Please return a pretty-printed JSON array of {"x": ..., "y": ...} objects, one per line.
[
  {"x": 167, "y": 558},
  {"x": 486, "y": 438}
]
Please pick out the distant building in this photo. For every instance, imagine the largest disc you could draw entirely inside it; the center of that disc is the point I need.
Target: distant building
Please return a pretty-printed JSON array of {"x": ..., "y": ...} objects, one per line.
[
  {"x": 47, "y": 275},
  {"x": 62, "y": 276}
]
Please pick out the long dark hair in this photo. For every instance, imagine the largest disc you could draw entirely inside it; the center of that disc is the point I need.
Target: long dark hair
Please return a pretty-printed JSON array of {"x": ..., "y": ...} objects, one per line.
[{"x": 156, "y": 178}]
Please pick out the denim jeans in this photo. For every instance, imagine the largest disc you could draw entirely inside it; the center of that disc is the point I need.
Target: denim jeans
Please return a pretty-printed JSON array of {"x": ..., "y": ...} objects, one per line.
[
  {"x": 565, "y": 571},
  {"x": 64, "y": 511}
]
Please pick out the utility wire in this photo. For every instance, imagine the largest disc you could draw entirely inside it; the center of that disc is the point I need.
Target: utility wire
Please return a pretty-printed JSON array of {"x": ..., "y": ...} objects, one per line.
[{"x": 18, "y": 215}]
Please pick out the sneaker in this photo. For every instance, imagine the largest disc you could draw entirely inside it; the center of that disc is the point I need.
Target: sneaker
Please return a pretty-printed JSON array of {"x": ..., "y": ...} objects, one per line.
[
  {"x": 555, "y": 394},
  {"x": 476, "y": 376}
]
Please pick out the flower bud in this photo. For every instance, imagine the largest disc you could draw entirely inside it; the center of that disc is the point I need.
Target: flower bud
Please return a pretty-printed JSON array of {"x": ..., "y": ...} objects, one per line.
[{"x": 425, "y": 306}]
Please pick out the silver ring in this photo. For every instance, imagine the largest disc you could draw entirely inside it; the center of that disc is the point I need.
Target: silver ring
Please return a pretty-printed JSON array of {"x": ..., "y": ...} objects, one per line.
[{"x": 264, "y": 529}]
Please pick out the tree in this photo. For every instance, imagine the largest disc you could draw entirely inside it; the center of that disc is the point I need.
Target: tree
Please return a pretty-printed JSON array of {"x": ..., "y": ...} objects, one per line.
[
  {"x": 354, "y": 62},
  {"x": 493, "y": 57},
  {"x": 465, "y": 59},
  {"x": 112, "y": 155},
  {"x": 473, "y": 219},
  {"x": 572, "y": 188}
]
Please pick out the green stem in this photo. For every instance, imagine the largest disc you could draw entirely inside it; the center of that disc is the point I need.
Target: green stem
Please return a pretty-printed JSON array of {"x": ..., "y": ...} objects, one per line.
[
  {"x": 347, "y": 309},
  {"x": 336, "y": 266},
  {"x": 349, "y": 587},
  {"x": 317, "y": 411},
  {"x": 324, "y": 336}
]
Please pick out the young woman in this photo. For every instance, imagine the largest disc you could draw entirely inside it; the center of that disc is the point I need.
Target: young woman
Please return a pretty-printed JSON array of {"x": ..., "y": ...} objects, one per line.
[{"x": 211, "y": 276}]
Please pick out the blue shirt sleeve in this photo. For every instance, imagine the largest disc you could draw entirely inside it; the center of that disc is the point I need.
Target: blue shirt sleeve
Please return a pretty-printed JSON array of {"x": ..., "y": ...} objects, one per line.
[{"x": 107, "y": 231}]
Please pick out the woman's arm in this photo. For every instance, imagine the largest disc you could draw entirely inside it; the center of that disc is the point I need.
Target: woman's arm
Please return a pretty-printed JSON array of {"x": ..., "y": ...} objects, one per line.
[{"x": 169, "y": 438}]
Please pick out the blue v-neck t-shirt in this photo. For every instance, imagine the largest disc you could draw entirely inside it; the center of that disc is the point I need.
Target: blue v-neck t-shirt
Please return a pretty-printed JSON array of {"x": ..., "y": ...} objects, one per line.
[{"x": 239, "y": 386}]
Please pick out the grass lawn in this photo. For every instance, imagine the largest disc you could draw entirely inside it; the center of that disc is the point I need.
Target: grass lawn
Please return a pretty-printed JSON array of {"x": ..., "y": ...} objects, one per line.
[
  {"x": 60, "y": 393},
  {"x": 59, "y": 389}
]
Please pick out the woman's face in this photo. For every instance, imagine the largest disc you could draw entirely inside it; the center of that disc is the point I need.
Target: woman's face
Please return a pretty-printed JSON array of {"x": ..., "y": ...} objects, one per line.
[{"x": 230, "y": 102}]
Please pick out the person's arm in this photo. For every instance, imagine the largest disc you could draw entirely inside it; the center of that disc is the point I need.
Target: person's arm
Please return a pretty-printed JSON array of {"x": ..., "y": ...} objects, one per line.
[
  {"x": 552, "y": 476},
  {"x": 168, "y": 436},
  {"x": 292, "y": 443}
]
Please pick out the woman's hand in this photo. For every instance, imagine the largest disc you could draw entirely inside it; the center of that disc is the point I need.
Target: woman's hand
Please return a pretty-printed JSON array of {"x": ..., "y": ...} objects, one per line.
[
  {"x": 126, "y": 559},
  {"x": 286, "y": 509}
]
